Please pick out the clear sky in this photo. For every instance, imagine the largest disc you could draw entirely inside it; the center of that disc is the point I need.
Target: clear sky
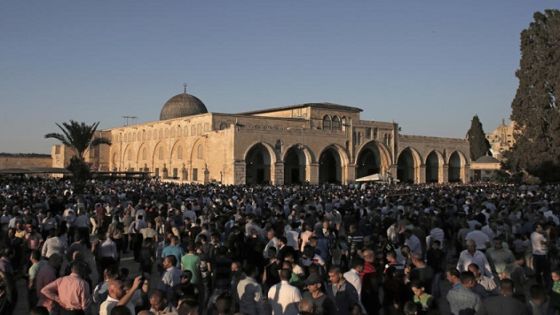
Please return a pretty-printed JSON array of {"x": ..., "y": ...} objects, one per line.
[{"x": 428, "y": 65}]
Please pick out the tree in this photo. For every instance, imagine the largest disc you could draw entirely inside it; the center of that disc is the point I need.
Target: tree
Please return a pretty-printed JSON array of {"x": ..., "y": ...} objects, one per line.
[
  {"x": 479, "y": 145},
  {"x": 80, "y": 137},
  {"x": 535, "y": 108}
]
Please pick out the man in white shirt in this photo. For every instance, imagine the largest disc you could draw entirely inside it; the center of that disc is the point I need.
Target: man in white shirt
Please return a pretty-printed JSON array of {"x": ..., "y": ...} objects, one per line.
[
  {"x": 541, "y": 265},
  {"x": 249, "y": 293},
  {"x": 472, "y": 255},
  {"x": 118, "y": 296},
  {"x": 283, "y": 297},
  {"x": 172, "y": 275},
  {"x": 353, "y": 275},
  {"x": 272, "y": 242}
]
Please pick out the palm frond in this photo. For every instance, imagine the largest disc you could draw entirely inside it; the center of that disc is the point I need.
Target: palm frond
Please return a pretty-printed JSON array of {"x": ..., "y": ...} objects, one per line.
[{"x": 98, "y": 141}]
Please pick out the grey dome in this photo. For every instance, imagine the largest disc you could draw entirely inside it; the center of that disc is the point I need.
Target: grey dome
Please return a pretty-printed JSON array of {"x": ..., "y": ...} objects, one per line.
[{"x": 182, "y": 105}]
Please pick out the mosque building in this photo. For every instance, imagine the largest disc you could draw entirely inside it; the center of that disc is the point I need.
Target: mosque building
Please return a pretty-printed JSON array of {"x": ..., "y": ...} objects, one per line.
[{"x": 313, "y": 142}]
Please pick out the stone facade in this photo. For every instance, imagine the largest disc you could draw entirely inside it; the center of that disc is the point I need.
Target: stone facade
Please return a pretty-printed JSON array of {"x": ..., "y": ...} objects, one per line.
[
  {"x": 314, "y": 142},
  {"x": 501, "y": 139},
  {"x": 24, "y": 161}
]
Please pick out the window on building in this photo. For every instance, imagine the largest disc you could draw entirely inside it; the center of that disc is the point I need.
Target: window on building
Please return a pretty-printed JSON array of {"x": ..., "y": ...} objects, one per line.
[
  {"x": 144, "y": 154},
  {"x": 156, "y": 171},
  {"x": 327, "y": 122},
  {"x": 175, "y": 172},
  {"x": 160, "y": 153},
  {"x": 368, "y": 133},
  {"x": 336, "y": 125},
  {"x": 193, "y": 130},
  {"x": 195, "y": 174}
]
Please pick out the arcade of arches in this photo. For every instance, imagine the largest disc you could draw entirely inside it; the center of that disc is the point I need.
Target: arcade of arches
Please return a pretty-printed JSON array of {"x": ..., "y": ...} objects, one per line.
[
  {"x": 296, "y": 165},
  {"x": 304, "y": 143}
]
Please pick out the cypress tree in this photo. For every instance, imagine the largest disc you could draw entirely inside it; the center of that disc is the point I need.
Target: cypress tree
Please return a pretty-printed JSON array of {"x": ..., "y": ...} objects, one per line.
[
  {"x": 535, "y": 108},
  {"x": 479, "y": 145}
]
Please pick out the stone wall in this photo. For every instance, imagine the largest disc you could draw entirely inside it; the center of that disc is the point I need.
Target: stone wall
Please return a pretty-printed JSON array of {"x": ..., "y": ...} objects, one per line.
[{"x": 25, "y": 161}]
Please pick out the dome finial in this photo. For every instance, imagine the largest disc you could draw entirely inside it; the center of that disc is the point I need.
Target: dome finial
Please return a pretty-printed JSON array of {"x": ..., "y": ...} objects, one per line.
[{"x": 185, "y": 88}]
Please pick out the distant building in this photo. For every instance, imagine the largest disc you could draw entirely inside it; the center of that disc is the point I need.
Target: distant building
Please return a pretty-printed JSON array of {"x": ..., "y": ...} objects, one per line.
[
  {"x": 501, "y": 139},
  {"x": 485, "y": 168},
  {"x": 24, "y": 163},
  {"x": 313, "y": 142}
]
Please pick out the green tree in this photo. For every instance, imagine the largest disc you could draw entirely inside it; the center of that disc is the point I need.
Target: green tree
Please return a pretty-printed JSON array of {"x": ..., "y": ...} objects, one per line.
[
  {"x": 479, "y": 145},
  {"x": 79, "y": 137},
  {"x": 535, "y": 107}
]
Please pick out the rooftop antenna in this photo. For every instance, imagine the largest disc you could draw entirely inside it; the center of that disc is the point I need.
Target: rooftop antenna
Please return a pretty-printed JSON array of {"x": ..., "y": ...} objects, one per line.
[
  {"x": 185, "y": 88},
  {"x": 127, "y": 118}
]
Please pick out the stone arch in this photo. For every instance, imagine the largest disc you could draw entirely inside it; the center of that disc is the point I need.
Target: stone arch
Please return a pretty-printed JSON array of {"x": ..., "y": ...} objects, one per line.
[
  {"x": 128, "y": 161},
  {"x": 177, "y": 151},
  {"x": 297, "y": 160},
  {"x": 457, "y": 165},
  {"x": 142, "y": 158},
  {"x": 260, "y": 159},
  {"x": 434, "y": 167},
  {"x": 115, "y": 161},
  {"x": 160, "y": 159},
  {"x": 333, "y": 162},
  {"x": 408, "y": 165},
  {"x": 373, "y": 157}
]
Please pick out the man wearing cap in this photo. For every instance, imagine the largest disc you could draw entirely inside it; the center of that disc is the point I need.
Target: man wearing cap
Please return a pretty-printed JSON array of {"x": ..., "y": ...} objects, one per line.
[{"x": 322, "y": 304}]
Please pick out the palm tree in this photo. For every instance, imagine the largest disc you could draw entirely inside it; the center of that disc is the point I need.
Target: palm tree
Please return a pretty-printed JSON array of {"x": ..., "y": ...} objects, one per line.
[{"x": 79, "y": 137}]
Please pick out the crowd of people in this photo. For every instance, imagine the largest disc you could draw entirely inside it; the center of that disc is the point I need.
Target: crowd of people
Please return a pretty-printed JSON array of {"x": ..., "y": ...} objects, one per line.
[{"x": 150, "y": 247}]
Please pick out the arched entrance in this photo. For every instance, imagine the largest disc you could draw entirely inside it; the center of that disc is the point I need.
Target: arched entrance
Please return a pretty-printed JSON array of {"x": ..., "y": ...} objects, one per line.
[
  {"x": 257, "y": 165},
  {"x": 454, "y": 171},
  {"x": 330, "y": 167},
  {"x": 432, "y": 168},
  {"x": 369, "y": 162},
  {"x": 294, "y": 166},
  {"x": 406, "y": 167}
]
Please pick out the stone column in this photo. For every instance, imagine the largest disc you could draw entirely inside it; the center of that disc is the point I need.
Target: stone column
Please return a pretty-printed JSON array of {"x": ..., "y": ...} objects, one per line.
[
  {"x": 314, "y": 173},
  {"x": 392, "y": 171},
  {"x": 206, "y": 175},
  {"x": 239, "y": 172},
  {"x": 445, "y": 173},
  {"x": 278, "y": 178},
  {"x": 421, "y": 174},
  {"x": 350, "y": 174},
  {"x": 465, "y": 174}
]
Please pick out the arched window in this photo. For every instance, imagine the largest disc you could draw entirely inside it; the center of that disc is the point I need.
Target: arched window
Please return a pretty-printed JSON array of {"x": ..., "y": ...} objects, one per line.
[
  {"x": 336, "y": 125},
  {"x": 129, "y": 155},
  {"x": 223, "y": 125},
  {"x": 144, "y": 153},
  {"x": 327, "y": 122},
  {"x": 193, "y": 130},
  {"x": 200, "y": 152},
  {"x": 160, "y": 153}
]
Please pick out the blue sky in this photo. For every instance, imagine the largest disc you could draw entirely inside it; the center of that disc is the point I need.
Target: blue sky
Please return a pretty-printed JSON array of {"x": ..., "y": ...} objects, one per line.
[{"x": 428, "y": 65}]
